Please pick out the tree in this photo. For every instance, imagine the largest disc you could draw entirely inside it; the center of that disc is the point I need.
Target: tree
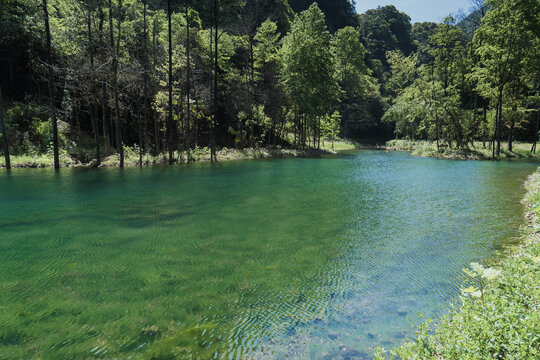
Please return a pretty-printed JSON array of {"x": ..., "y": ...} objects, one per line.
[
  {"x": 267, "y": 66},
  {"x": 51, "y": 87},
  {"x": 386, "y": 29},
  {"x": 421, "y": 32},
  {"x": 170, "y": 124},
  {"x": 354, "y": 80},
  {"x": 338, "y": 13},
  {"x": 448, "y": 52},
  {"x": 93, "y": 87},
  {"x": 350, "y": 58},
  {"x": 308, "y": 74},
  {"x": 505, "y": 35},
  {"x": 216, "y": 81},
  {"x": 114, "y": 65},
  {"x": 188, "y": 68},
  {"x": 331, "y": 127}
]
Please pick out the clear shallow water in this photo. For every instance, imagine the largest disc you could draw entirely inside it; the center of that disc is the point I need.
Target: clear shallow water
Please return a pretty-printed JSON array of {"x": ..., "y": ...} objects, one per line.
[{"x": 294, "y": 258}]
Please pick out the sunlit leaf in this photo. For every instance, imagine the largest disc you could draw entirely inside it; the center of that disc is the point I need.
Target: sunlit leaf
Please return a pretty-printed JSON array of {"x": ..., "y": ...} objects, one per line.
[{"x": 491, "y": 273}]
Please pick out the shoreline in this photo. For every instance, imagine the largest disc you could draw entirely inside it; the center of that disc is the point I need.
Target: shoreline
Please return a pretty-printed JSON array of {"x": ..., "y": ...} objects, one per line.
[
  {"x": 132, "y": 160},
  {"x": 500, "y": 313},
  {"x": 428, "y": 149}
]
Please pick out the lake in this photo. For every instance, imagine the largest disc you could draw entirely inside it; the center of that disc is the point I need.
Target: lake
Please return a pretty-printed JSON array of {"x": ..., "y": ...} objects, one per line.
[{"x": 319, "y": 258}]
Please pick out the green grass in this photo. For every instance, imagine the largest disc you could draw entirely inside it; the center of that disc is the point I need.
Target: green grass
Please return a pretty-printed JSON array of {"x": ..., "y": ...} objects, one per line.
[
  {"x": 194, "y": 155},
  {"x": 478, "y": 152},
  {"x": 340, "y": 145},
  {"x": 499, "y": 317},
  {"x": 37, "y": 160}
]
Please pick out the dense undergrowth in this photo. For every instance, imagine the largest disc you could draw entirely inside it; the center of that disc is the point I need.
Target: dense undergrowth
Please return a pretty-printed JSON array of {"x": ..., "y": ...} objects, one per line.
[
  {"x": 500, "y": 313},
  {"x": 480, "y": 151}
]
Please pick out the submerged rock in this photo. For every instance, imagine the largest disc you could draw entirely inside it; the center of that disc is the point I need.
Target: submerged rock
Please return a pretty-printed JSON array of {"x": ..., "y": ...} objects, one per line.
[
  {"x": 351, "y": 354},
  {"x": 150, "y": 332}
]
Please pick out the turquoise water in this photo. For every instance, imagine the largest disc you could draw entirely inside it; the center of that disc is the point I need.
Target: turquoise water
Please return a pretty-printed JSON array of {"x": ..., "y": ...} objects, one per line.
[{"x": 321, "y": 258}]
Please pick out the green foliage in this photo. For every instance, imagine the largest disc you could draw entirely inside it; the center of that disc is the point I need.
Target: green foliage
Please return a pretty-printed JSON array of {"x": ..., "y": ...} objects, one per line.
[
  {"x": 350, "y": 59},
  {"x": 267, "y": 45},
  {"x": 477, "y": 151},
  {"x": 386, "y": 29},
  {"x": 433, "y": 81},
  {"x": 308, "y": 74},
  {"x": 339, "y": 13},
  {"x": 331, "y": 127}
]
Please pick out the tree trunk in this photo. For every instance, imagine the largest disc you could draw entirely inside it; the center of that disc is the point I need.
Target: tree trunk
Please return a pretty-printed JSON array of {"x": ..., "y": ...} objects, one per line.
[
  {"x": 145, "y": 80},
  {"x": 139, "y": 122},
  {"x": 533, "y": 149},
  {"x": 511, "y": 135},
  {"x": 188, "y": 80},
  {"x": 156, "y": 118},
  {"x": 499, "y": 120},
  {"x": 51, "y": 88},
  {"x": 484, "y": 133},
  {"x": 216, "y": 67},
  {"x": 116, "y": 56},
  {"x": 170, "y": 132},
  {"x": 4, "y": 133},
  {"x": 104, "y": 118},
  {"x": 93, "y": 103},
  {"x": 119, "y": 143}
]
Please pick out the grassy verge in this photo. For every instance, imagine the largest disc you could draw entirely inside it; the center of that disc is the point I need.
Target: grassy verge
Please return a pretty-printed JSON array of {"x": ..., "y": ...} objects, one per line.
[
  {"x": 37, "y": 161},
  {"x": 340, "y": 145},
  {"x": 199, "y": 154},
  {"x": 478, "y": 152},
  {"x": 203, "y": 154},
  {"x": 500, "y": 313}
]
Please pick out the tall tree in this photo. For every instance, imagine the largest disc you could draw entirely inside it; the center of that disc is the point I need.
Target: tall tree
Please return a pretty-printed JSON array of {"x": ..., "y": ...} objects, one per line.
[
  {"x": 115, "y": 63},
  {"x": 352, "y": 74},
  {"x": 188, "y": 72},
  {"x": 505, "y": 35},
  {"x": 144, "y": 124},
  {"x": 339, "y": 13},
  {"x": 93, "y": 87},
  {"x": 52, "y": 104},
  {"x": 308, "y": 74},
  {"x": 216, "y": 81},
  {"x": 267, "y": 66},
  {"x": 170, "y": 125},
  {"x": 386, "y": 29}
]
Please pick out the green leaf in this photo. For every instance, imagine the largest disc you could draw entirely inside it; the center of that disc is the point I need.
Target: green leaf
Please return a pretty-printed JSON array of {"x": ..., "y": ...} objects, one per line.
[
  {"x": 477, "y": 268},
  {"x": 491, "y": 273},
  {"x": 469, "y": 272},
  {"x": 469, "y": 290}
]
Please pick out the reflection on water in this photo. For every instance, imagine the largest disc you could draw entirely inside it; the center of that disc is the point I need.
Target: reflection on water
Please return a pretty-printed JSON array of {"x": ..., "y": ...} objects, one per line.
[{"x": 299, "y": 258}]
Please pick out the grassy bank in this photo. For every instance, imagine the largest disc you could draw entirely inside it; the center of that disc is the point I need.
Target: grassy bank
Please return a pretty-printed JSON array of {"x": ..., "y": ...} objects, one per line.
[
  {"x": 499, "y": 317},
  {"x": 478, "y": 152},
  {"x": 199, "y": 154}
]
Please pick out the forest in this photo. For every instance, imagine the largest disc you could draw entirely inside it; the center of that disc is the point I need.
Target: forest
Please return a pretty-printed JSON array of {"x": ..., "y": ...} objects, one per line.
[{"x": 89, "y": 79}]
